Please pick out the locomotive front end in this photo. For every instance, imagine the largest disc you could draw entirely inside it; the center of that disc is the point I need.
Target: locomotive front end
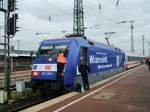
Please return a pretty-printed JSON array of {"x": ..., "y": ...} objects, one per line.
[{"x": 45, "y": 64}]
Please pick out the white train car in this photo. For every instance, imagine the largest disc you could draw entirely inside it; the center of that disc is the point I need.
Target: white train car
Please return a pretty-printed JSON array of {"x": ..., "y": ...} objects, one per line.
[{"x": 132, "y": 60}]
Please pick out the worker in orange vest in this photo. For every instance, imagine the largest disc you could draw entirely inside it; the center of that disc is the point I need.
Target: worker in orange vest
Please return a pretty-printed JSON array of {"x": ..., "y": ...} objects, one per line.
[{"x": 61, "y": 61}]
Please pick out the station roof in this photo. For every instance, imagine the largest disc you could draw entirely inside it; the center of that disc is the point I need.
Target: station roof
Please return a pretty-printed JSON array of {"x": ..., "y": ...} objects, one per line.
[{"x": 17, "y": 53}]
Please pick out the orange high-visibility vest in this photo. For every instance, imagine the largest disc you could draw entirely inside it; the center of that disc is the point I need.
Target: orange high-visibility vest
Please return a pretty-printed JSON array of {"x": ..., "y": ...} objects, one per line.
[{"x": 61, "y": 58}]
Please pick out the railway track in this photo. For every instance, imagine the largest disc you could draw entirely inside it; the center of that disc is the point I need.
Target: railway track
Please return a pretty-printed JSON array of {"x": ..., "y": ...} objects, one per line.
[
  {"x": 32, "y": 101},
  {"x": 21, "y": 107}
]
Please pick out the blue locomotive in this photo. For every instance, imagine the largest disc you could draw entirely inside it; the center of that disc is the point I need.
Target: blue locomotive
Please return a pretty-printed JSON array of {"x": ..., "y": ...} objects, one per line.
[{"x": 103, "y": 60}]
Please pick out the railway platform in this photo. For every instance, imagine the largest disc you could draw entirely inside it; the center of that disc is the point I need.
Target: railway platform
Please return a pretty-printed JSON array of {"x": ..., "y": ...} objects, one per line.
[{"x": 127, "y": 92}]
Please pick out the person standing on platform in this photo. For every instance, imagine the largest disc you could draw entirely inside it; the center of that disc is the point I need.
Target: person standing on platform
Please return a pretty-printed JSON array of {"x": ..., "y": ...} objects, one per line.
[
  {"x": 84, "y": 69},
  {"x": 148, "y": 63}
]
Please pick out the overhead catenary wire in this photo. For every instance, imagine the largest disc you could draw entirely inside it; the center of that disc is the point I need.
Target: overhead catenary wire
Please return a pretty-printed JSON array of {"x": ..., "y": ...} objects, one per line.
[
  {"x": 118, "y": 9},
  {"x": 100, "y": 12},
  {"x": 48, "y": 3},
  {"x": 35, "y": 31},
  {"x": 57, "y": 7},
  {"x": 108, "y": 18},
  {"x": 45, "y": 2},
  {"x": 100, "y": 7}
]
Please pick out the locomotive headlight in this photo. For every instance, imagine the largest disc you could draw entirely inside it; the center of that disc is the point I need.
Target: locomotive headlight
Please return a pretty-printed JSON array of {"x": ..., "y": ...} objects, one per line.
[
  {"x": 35, "y": 73},
  {"x": 50, "y": 59}
]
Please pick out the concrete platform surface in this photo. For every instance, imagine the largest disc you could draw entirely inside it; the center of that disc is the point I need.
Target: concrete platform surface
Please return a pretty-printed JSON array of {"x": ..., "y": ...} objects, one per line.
[{"x": 128, "y": 93}]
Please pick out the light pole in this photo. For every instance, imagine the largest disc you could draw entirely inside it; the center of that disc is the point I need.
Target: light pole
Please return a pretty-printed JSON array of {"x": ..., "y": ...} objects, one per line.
[
  {"x": 132, "y": 27},
  {"x": 0, "y": 32},
  {"x": 143, "y": 40},
  {"x": 18, "y": 44},
  {"x": 148, "y": 48},
  {"x": 108, "y": 35},
  {"x": 1, "y": 27}
]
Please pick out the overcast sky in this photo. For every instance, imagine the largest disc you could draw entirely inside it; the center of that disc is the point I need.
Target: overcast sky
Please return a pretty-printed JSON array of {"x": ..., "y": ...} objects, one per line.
[{"x": 34, "y": 18}]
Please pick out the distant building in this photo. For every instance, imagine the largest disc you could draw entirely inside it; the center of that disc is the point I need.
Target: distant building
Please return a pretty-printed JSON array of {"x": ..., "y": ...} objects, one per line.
[{"x": 20, "y": 60}]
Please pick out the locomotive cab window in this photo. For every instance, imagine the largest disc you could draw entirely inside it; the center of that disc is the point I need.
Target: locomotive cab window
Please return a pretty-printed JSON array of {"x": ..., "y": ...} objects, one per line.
[{"x": 51, "y": 50}]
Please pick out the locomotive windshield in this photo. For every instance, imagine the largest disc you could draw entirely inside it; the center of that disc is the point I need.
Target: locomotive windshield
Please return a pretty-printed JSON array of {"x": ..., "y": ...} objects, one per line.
[{"x": 51, "y": 50}]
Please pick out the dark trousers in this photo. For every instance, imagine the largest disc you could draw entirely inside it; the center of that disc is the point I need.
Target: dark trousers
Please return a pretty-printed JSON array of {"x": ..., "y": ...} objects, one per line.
[
  {"x": 149, "y": 67},
  {"x": 60, "y": 68},
  {"x": 85, "y": 81}
]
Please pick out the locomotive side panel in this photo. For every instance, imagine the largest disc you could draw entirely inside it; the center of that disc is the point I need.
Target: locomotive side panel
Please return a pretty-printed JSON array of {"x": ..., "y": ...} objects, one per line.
[{"x": 103, "y": 62}]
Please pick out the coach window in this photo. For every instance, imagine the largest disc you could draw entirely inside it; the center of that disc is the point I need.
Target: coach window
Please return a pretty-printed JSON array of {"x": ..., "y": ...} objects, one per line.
[
  {"x": 128, "y": 58},
  {"x": 132, "y": 58}
]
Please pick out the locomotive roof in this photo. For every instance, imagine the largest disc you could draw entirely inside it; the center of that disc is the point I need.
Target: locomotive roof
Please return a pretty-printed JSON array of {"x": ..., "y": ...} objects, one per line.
[{"x": 80, "y": 41}]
